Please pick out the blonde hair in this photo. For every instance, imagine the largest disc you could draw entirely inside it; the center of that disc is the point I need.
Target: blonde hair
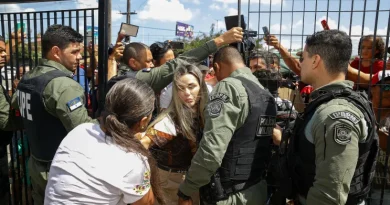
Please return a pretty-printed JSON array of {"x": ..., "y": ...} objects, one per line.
[{"x": 182, "y": 115}]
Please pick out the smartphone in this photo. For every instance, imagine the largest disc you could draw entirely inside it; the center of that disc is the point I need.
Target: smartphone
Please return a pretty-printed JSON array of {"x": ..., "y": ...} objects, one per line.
[
  {"x": 265, "y": 31},
  {"x": 176, "y": 45},
  {"x": 325, "y": 25},
  {"x": 129, "y": 29}
]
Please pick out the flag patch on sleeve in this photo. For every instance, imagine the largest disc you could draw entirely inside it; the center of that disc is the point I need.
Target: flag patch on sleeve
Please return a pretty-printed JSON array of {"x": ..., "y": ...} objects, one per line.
[{"x": 74, "y": 104}]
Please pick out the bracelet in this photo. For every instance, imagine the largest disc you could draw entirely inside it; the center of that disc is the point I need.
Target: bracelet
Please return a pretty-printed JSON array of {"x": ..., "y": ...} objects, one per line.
[{"x": 183, "y": 196}]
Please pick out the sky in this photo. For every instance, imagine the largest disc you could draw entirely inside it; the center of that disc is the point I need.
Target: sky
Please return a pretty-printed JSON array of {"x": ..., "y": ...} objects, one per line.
[{"x": 160, "y": 16}]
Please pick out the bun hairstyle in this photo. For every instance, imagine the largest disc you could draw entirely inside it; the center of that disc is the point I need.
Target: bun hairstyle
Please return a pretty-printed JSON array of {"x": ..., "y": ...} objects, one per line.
[{"x": 127, "y": 102}]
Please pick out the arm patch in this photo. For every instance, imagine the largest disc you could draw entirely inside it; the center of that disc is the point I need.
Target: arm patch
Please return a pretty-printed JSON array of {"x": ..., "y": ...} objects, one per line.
[
  {"x": 74, "y": 104},
  {"x": 345, "y": 115},
  {"x": 342, "y": 134}
]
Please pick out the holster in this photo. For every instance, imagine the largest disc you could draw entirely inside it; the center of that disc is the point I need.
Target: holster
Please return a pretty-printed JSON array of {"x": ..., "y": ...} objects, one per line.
[{"x": 213, "y": 192}]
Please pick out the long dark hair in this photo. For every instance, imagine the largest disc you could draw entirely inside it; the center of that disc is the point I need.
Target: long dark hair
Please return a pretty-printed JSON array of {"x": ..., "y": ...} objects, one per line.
[{"x": 127, "y": 102}]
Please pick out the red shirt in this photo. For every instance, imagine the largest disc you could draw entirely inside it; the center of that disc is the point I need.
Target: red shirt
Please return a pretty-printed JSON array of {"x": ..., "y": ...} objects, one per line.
[{"x": 376, "y": 66}]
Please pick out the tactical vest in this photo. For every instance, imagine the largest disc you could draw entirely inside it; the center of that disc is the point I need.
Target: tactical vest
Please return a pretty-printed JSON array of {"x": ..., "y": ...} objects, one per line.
[
  {"x": 248, "y": 152},
  {"x": 44, "y": 130},
  {"x": 302, "y": 153},
  {"x": 176, "y": 154}
]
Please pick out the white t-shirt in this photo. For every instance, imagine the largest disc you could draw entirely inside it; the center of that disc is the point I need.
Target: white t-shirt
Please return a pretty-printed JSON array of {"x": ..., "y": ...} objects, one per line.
[
  {"x": 89, "y": 169},
  {"x": 166, "y": 95}
]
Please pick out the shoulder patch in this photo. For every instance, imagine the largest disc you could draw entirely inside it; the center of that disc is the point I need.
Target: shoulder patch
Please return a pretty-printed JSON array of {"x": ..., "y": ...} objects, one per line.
[
  {"x": 215, "y": 107},
  {"x": 342, "y": 134},
  {"x": 215, "y": 104},
  {"x": 74, "y": 104},
  {"x": 345, "y": 115}
]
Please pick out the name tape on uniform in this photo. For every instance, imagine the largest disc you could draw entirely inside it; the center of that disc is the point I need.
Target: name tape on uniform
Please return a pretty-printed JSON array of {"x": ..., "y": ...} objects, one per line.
[
  {"x": 74, "y": 104},
  {"x": 345, "y": 115}
]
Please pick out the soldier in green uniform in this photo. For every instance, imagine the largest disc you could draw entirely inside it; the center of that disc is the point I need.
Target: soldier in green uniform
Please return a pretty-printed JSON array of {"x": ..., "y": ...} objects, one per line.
[
  {"x": 231, "y": 160},
  {"x": 137, "y": 59},
  {"x": 332, "y": 150},
  {"x": 51, "y": 103},
  {"x": 8, "y": 122}
]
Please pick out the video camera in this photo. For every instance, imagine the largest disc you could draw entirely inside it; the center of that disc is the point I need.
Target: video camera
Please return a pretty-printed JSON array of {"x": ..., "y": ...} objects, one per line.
[{"x": 248, "y": 42}]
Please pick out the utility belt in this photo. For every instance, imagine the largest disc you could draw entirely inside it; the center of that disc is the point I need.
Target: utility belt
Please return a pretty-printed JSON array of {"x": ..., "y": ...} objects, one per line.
[
  {"x": 217, "y": 191},
  {"x": 174, "y": 170}
]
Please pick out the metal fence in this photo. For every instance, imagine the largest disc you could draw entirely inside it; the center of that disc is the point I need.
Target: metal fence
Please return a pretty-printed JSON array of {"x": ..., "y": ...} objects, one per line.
[
  {"x": 22, "y": 32},
  {"x": 292, "y": 20}
]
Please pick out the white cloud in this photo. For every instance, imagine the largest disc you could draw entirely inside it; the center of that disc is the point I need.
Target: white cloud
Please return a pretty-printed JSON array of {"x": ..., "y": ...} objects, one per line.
[
  {"x": 85, "y": 4},
  {"x": 215, "y": 6},
  {"x": 192, "y": 1},
  {"x": 165, "y": 10},
  {"x": 220, "y": 26},
  {"x": 297, "y": 24},
  {"x": 29, "y": 10},
  {"x": 252, "y": 1},
  {"x": 8, "y": 8},
  {"x": 116, "y": 15},
  {"x": 232, "y": 12},
  {"x": 276, "y": 28}
]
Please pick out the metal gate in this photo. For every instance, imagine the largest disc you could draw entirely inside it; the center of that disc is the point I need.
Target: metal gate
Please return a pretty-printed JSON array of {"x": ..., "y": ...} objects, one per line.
[
  {"x": 292, "y": 20},
  {"x": 22, "y": 33}
]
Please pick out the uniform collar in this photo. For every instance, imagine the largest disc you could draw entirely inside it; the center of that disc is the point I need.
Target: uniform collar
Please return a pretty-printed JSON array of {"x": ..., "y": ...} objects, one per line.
[
  {"x": 331, "y": 87},
  {"x": 53, "y": 64},
  {"x": 241, "y": 71},
  {"x": 123, "y": 69}
]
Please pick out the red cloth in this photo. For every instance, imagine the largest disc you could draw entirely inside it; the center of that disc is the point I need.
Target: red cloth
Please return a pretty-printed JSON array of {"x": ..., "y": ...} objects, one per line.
[
  {"x": 376, "y": 66},
  {"x": 307, "y": 90}
]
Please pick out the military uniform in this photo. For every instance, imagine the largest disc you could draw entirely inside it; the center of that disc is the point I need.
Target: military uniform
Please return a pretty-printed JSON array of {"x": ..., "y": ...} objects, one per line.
[
  {"x": 233, "y": 126},
  {"x": 51, "y": 104},
  {"x": 334, "y": 147},
  {"x": 160, "y": 77},
  {"x": 8, "y": 121}
]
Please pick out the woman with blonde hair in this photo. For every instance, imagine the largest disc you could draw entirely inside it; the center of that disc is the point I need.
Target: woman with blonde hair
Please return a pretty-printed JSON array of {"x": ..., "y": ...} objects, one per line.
[{"x": 175, "y": 133}]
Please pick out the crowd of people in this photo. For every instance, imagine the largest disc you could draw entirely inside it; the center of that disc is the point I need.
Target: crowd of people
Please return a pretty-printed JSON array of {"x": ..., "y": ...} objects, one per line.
[{"x": 203, "y": 127}]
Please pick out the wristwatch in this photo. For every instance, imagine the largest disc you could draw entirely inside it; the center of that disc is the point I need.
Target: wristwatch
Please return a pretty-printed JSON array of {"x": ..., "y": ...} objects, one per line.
[{"x": 183, "y": 196}]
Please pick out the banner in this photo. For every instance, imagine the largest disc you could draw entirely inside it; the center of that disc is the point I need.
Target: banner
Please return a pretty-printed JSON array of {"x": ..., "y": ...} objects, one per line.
[{"x": 184, "y": 30}]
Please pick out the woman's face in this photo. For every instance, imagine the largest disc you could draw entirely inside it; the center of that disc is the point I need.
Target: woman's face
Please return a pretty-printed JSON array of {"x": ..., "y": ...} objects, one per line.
[
  {"x": 188, "y": 89},
  {"x": 367, "y": 46},
  {"x": 169, "y": 55}
]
